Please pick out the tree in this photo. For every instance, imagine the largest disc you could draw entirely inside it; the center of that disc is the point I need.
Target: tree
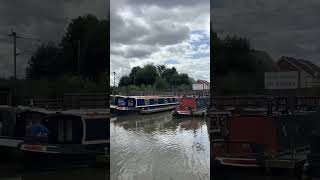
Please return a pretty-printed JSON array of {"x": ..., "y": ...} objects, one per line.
[
  {"x": 51, "y": 61},
  {"x": 161, "y": 69},
  {"x": 45, "y": 62},
  {"x": 125, "y": 81},
  {"x": 93, "y": 38},
  {"x": 236, "y": 68},
  {"x": 159, "y": 77},
  {"x": 160, "y": 84}
]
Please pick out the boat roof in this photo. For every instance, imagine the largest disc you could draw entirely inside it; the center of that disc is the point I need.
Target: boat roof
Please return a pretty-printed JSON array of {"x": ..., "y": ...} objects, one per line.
[
  {"x": 148, "y": 97},
  {"x": 87, "y": 113},
  {"x": 5, "y": 107},
  {"x": 20, "y": 109},
  {"x": 35, "y": 109}
]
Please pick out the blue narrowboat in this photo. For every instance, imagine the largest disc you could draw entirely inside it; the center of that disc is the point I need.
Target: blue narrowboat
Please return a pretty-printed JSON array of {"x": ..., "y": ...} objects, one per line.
[
  {"x": 73, "y": 134},
  {"x": 143, "y": 104}
]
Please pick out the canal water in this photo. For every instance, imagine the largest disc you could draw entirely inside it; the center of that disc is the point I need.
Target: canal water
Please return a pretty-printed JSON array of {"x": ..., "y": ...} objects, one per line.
[{"x": 159, "y": 147}]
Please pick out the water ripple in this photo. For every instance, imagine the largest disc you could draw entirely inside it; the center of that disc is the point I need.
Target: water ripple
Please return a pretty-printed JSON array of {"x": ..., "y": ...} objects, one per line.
[{"x": 159, "y": 147}]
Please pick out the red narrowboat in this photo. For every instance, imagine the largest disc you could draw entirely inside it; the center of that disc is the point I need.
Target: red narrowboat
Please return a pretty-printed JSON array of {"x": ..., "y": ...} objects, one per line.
[
  {"x": 250, "y": 137},
  {"x": 192, "y": 106}
]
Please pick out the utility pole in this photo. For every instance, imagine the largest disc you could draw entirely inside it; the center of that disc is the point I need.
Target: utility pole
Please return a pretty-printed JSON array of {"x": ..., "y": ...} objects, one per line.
[
  {"x": 14, "y": 35},
  {"x": 15, "y": 54},
  {"x": 134, "y": 79},
  {"x": 79, "y": 54},
  {"x": 114, "y": 79}
]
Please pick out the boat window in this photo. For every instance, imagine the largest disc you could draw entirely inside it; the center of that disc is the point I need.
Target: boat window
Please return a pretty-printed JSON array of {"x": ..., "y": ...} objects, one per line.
[
  {"x": 161, "y": 101},
  {"x": 66, "y": 129},
  {"x": 130, "y": 102},
  {"x": 140, "y": 102},
  {"x": 147, "y": 102},
  {"x": 121, "y": 102},
  {"x": 152, "y": 101},
  {"x": 112, "y": 101},
  {"x": 97, "y": 129}
]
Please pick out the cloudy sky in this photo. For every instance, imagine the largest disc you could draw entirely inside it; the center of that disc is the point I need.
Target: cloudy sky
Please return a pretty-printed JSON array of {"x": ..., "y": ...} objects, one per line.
[
  {"x": 171, "y": 32},
  {"x": 38, "y": 21},
  {"x": 279, "y": 27}
]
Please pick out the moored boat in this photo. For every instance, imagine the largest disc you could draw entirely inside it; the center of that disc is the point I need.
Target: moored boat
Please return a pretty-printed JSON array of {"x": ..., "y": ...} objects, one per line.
[
  {"x": 253, "y": 138},
  {"x": 192, "y": 106},
  {"x": 73, "y": 134},
  {"x": 144, "y": 104}
]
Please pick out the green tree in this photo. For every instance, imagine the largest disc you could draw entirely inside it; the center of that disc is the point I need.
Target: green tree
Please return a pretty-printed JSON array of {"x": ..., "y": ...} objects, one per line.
[
  {"x": 45, "y": 62},
  {"x": 160, "y": 77},
  {"x": 160, "y": 84},
  {"x": 92, "y": 34},
  {"x": 51, "y": 61}
]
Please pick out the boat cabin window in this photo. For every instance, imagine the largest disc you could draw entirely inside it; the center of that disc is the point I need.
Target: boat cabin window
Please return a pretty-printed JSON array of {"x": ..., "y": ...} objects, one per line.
[
  {"x": 161, "y": 101},
  {"x": 147, "y": 102},
  {"x": 97, "y": 129},
  {"x": 64, "y": 129},
  {"x": 140, "y": 102},
  {"x": 113, "y": 100},
  {"x": 121, "y": 101},
  {"x": 218, "y": 124},
  {"x": 25, "y": 121},
  {"x": 153, "y": 101},
  {"x": 131, "y": 102}
]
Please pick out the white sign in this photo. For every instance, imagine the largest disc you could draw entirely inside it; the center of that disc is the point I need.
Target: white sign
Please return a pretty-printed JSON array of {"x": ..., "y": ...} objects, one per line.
[
  {"x": 198, "y": 87},
  {"x": 281, "y": 80}
]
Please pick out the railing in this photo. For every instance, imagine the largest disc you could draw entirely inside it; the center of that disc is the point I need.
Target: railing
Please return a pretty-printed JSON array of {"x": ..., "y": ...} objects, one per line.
[
  {"x": 298, "y": 102},
  {"x": 150, "y": 93},
  {"x": 236, "y": 149},
  {"x": 72, "y": 101}
]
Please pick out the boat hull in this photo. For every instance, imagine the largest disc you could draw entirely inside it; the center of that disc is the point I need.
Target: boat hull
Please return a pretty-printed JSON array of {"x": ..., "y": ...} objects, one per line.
[
  {"x": 184, "y": 113},
  {"x": 157, "y": 109}
]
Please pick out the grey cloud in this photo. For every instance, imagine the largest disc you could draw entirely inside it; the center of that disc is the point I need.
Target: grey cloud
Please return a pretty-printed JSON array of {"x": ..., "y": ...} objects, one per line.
[
  {"x": 167, "y": 34},
  {"x": 125, "y": 32},
  {"x": 139, "y": 52},
  {"x": 278, "y": 27},
  {"x": 38, "y": 19},
  {"x": 151, "y": 31},
  {"x": 170, "y": 3}
]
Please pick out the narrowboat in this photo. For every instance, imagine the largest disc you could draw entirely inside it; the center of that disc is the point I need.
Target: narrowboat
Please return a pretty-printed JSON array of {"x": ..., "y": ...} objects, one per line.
[
  {"x": 113, "y": 103},
  {"x": 144, "y": 104},
  {"x": 254, "y": 138},
  {"x": 73, "y": 134},
  {"x": 192, "y": 106}
]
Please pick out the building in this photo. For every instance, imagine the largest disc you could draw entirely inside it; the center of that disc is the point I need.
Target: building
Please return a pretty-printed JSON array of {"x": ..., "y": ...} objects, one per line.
[
  {"x": 293, "y": 73},
  {"x": 201, "y": 85}
]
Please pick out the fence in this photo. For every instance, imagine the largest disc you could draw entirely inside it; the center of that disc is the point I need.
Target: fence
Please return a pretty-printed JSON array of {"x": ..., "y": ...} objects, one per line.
[
  {"x": 296, "y": 102},
  {"x": 73, "y": 101},
  {"x": 150, "y": 93}
]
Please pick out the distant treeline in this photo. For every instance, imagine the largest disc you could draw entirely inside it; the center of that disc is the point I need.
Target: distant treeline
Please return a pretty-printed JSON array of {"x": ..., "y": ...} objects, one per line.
[
  {"x": 86, "y": 36},
  {"x": 53, "y": 69},
  {"x": 152, "y": 77},
  {"x": 237, "y": 68}
]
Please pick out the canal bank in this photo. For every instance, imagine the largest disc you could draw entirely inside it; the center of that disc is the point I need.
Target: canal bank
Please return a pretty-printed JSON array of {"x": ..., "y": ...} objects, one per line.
[{"x": 159, "y": 146}]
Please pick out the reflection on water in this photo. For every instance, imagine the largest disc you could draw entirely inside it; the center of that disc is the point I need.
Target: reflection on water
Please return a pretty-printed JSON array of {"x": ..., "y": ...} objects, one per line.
[
  {"x": 146, "y": 147},
  {"x": 16, "y": 172}
]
